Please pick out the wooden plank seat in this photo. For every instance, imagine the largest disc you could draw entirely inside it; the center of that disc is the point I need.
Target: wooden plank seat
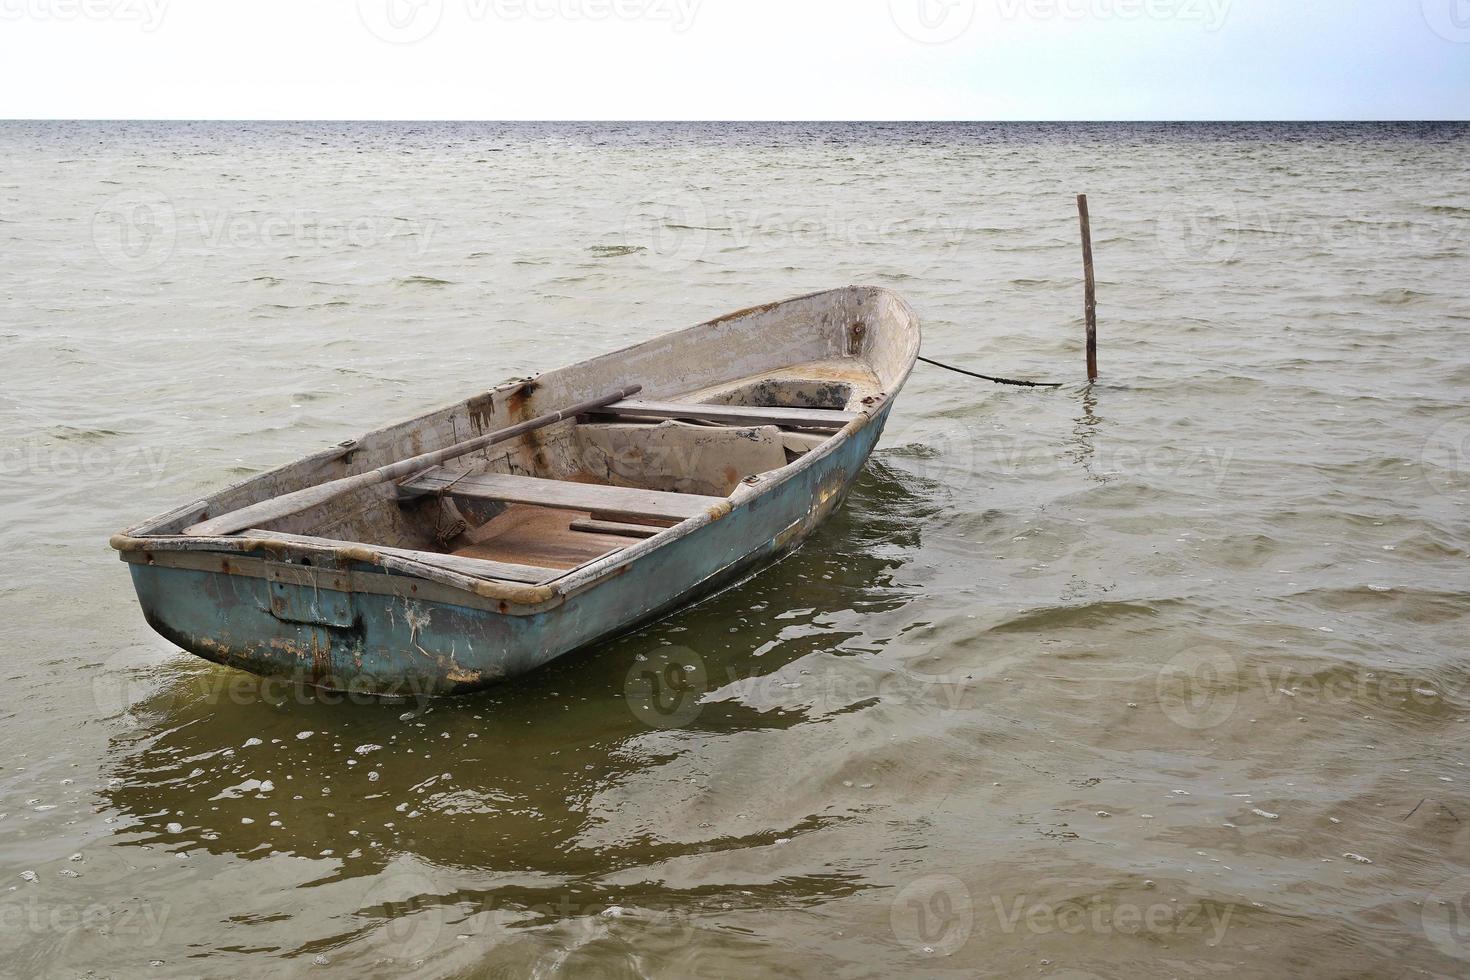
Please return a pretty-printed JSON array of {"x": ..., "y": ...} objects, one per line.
[
  {"x": 561, "y": 494},
  {"x": 615, "y": 528},
  {"x": 800, "y": 418}
]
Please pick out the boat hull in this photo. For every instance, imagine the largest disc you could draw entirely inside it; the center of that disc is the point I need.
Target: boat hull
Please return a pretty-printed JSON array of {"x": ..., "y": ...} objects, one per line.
[{"x": 288, "y": 622}]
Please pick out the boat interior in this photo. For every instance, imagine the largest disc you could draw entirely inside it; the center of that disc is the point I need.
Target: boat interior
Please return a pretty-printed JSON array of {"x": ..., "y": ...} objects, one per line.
[
  {"x": 720, "y": 403},
  {"x": 558, "y": 498}
]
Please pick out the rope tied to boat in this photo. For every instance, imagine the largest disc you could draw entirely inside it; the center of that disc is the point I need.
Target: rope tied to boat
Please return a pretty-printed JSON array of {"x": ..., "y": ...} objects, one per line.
[{"x": 986, "y": 377}]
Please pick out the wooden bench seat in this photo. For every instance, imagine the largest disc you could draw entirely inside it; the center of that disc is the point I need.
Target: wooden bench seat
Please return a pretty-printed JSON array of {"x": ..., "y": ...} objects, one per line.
[
  {"x": 801, "y": 418},
  {"x": 562, "y": 495}
]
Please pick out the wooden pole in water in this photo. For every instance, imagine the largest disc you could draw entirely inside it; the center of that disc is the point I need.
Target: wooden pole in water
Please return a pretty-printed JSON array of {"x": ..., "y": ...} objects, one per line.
[{"x": 1091, "y": 287}]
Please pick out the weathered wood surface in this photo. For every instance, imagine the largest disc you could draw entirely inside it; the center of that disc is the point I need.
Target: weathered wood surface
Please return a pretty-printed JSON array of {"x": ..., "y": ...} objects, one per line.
[
  {"x": 468, "y": 567},
  {"x": 617, "y": 528},
  {"x": 563, "y": 495},
  {"x": 470, "y": 632},
  {"x": 804, "y": 418},
  {"x": 277, "y": 508},
  {"x": 1090, "y": 301}
]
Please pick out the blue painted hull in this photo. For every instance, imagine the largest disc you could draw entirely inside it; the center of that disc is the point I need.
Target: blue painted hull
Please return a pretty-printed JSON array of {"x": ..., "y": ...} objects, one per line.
[{"x": 362, "y": 641}]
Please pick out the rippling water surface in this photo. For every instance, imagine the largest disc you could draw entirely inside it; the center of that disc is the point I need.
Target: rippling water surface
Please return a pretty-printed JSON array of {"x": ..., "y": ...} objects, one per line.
[{"x": 1165, "y": 676}]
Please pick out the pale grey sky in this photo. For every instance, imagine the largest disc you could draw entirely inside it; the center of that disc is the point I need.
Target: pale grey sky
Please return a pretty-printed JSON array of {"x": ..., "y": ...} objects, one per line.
[{"x": 735, "y": 59}]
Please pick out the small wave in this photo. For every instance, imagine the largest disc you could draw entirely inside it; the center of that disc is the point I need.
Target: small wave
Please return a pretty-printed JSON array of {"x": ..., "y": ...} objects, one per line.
[
  {"x": 70, "y": 433},
  {"x": 615, "y": 251},
  {"x": 1400, "y": 297},
  {"x": 422, "y": 281},
  {"x": 1086, "y": 616}
]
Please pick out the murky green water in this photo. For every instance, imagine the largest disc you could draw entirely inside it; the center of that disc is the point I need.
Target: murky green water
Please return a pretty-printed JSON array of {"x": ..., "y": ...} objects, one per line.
[{"x": 1167, "y": 676}]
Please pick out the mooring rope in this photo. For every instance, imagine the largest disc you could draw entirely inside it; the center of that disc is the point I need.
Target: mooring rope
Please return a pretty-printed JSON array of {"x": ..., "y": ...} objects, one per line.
[{"x": 986, "y": 377}]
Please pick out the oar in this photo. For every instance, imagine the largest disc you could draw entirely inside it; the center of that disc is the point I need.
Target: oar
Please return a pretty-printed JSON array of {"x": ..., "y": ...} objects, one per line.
[{"x": 276, "y": 508}]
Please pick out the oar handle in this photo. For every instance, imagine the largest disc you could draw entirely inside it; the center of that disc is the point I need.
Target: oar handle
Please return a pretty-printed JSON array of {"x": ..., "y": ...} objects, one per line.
[{"x": 276, "y": 508}]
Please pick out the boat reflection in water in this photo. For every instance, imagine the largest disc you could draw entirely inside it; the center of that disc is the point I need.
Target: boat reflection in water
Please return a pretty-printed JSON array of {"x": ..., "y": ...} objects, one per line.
[{"x": 599, "y": 782}]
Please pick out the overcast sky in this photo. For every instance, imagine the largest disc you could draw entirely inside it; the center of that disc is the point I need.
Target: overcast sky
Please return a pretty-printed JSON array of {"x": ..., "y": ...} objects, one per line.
[{"x": 736, "y": 59}]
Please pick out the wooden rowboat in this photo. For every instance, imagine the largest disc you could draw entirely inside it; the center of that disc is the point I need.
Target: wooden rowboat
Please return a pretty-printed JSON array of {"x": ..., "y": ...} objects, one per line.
[{"x": 404, "y": 563}]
